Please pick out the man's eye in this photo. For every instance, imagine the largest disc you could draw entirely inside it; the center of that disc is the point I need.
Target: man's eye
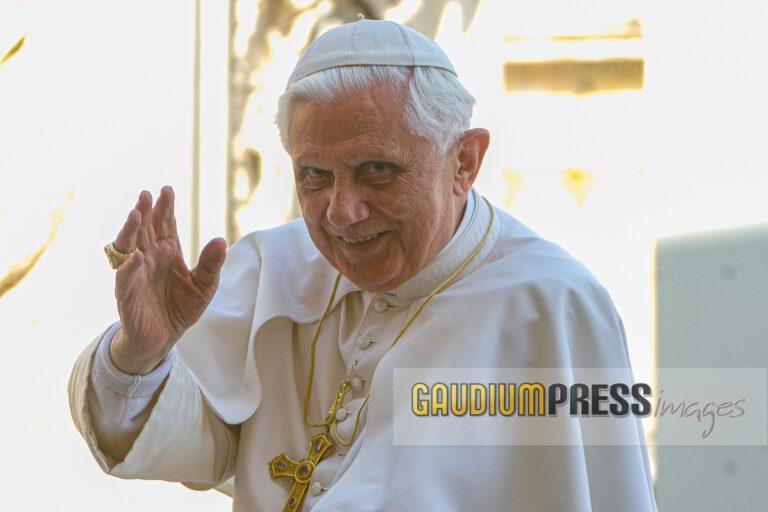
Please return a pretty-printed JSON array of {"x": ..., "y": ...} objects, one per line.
[
  {"x": 378, "y": 168},
  {"x": 313, "y": 178},
  {"x": 314, "y": 173}
]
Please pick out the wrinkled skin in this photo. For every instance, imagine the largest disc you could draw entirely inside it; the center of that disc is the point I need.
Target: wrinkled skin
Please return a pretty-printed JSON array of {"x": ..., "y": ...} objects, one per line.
[{"x": 360, "y": 172}]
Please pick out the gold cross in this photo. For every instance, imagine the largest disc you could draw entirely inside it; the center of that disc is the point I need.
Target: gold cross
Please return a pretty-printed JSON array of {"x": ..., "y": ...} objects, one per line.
[{"x": 300, "y": 472}]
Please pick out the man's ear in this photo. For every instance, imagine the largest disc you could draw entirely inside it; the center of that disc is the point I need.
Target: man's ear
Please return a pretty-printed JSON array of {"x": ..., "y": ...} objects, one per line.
[{"x": 471, "y": 150}]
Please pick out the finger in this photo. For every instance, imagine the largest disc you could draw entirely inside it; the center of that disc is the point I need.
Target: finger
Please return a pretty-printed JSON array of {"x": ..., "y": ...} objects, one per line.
[
  {"x": 124, "y": 278},
  {"x": 206, "y": 273},
  {"x": 169, "y": 227},
  {"x": 126, "y": 238},
  {"x": 146, "y": 233},
  {"x": 180, "y": 265},
  {"x": 171, "y": 219},
  {"x": 161, "y": 212}
]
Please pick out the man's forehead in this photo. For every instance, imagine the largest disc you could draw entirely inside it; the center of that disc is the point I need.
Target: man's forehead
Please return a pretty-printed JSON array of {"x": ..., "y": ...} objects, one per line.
[{"x": 358, "y": 117}]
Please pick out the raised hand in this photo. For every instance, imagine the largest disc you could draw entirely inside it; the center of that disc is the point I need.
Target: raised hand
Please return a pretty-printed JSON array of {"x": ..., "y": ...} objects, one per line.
[{"x": 158, "y": 297}]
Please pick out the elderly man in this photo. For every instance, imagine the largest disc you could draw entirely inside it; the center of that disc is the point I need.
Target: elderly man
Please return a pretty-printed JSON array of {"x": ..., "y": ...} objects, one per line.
[{"x": 272, "y": 361}]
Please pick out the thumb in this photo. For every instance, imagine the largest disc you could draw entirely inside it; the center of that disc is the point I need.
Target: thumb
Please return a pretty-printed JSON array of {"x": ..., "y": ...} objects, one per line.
[{"x": 206, "y": 273}]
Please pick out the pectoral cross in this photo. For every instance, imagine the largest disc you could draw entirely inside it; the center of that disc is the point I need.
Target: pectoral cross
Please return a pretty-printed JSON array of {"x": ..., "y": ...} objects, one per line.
[{"x": 300, "y": 472}]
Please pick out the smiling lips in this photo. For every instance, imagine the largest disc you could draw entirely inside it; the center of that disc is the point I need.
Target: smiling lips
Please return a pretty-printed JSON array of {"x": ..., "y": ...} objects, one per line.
[{"x": 360, "y": 239}]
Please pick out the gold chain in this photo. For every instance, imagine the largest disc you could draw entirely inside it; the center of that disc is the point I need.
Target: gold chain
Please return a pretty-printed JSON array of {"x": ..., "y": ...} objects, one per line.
[{"x": 331, "y": 421}]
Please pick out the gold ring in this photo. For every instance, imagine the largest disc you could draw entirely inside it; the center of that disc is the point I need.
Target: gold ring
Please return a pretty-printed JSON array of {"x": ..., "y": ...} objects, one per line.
[{"x": 116, "y": 258}]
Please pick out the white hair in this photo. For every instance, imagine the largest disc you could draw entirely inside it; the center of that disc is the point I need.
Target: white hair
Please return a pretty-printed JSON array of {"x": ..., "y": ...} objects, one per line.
[{"x": 437, "y": 107}]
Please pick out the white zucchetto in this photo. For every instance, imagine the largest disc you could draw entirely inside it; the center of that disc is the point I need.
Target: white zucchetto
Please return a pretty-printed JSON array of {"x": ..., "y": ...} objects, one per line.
[{"x": 369, "y": 42}]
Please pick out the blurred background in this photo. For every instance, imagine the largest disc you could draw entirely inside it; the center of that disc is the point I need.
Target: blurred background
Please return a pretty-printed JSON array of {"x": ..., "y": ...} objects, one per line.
[{"x": 632, "y": 133}]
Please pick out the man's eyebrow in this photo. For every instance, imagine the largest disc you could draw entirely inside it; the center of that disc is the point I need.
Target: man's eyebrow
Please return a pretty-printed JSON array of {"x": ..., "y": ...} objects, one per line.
[
  {"x": 358, "y": 160},
  {"x": 305, "y": 156},
  {"x": 307, "y": 148},
  {"x": 352, "y": 155},
  {"x": 381, "y": 154}
]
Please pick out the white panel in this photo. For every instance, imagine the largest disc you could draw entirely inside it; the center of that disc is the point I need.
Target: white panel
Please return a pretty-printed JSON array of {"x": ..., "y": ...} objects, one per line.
[{"x": 712, "y": 313}]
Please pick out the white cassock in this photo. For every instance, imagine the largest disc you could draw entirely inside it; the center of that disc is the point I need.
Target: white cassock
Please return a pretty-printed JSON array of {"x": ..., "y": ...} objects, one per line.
[{"x": 523, "y": 302}]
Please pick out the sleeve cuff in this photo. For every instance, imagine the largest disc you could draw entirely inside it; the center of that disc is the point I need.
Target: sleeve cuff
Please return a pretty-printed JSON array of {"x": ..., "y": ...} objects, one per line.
[{"x": 129, "y": 386}]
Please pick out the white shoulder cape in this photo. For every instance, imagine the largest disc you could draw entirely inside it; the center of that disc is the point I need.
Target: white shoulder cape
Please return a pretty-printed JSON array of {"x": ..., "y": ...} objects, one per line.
[{"x": 524, "y": 303}]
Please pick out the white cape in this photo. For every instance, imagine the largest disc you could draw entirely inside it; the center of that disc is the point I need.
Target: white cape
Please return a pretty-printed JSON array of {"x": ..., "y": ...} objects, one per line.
[{"x": 523, "y": 303}]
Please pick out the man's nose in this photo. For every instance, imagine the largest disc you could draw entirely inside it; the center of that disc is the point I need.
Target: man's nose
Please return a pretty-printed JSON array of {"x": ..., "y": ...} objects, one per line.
[{"x": 346, "y": 207}]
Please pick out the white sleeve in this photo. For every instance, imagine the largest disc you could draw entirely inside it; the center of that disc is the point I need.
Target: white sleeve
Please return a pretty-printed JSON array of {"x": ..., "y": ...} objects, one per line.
[
  {"x": 176, "y": 436},
  {"x": 120, "y": 403}
]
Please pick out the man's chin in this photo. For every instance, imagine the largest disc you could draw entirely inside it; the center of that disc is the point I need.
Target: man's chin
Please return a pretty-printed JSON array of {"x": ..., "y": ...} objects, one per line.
[{"x": 369, "y": 279}]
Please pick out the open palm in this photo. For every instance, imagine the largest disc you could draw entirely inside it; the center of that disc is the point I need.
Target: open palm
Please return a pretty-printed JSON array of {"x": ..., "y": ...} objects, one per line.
[{"x": 158, "y": 297}]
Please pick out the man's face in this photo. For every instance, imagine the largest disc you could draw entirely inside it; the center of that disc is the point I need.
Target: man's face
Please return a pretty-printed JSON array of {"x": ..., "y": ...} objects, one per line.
[{"x": 378, "y": 203}]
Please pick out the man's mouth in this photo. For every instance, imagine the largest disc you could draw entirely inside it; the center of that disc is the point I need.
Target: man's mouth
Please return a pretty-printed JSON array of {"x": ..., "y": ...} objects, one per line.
[
  {"x": 360, "y": 239},
  {"x": 355, "y": 240}
]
